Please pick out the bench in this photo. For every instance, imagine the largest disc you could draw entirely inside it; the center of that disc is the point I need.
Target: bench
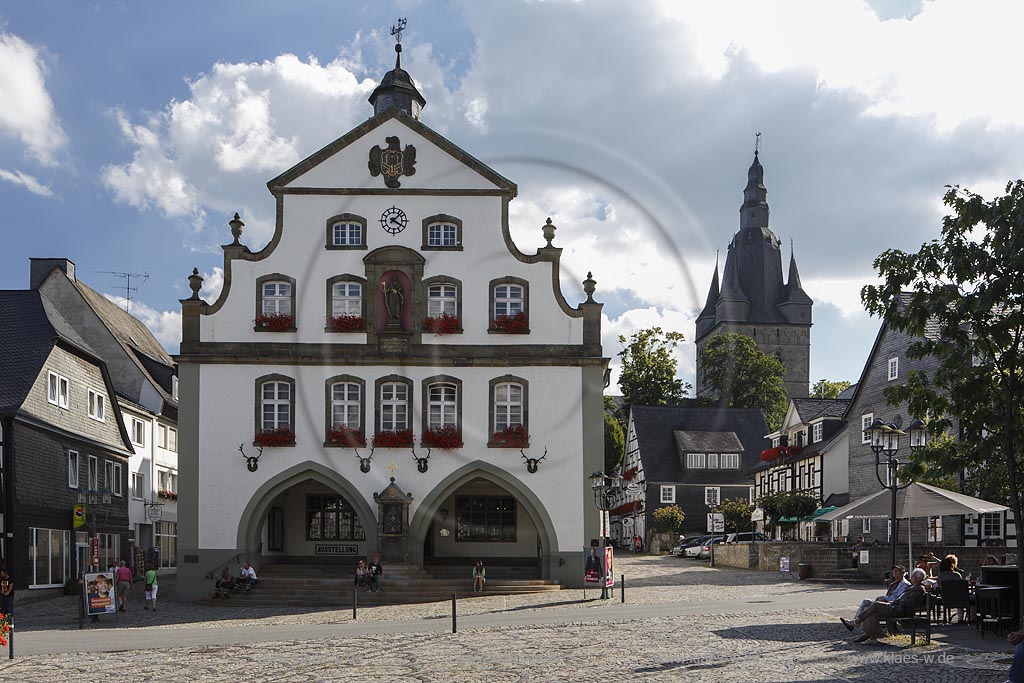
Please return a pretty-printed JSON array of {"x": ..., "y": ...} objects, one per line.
[{"x": 922, "y": 619}]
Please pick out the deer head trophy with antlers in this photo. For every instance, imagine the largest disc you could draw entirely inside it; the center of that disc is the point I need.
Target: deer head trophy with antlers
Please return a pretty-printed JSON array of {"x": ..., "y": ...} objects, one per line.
[
  {"x": 421, "y": 463},
  {"x": 533, "y": 463},
  {"x": 364, "y": 463},
  {"x": 252, "y": 462}
]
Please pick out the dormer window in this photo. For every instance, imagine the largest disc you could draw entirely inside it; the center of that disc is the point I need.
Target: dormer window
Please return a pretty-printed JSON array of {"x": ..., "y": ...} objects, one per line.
[{"x": 816, "y": 432}]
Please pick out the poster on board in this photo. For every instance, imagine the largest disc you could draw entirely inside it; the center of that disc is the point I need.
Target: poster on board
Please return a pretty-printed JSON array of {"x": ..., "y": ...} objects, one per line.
[
  {"x": 593, "y": 567},
  {"x": 609, "y": 573},
  {"x": 99, "y": 593}
]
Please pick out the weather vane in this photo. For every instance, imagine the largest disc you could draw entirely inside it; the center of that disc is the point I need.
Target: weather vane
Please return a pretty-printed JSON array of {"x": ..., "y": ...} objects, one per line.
[
  {"x": 757, "y": 136},
  {"x": 396, "y": 30}
]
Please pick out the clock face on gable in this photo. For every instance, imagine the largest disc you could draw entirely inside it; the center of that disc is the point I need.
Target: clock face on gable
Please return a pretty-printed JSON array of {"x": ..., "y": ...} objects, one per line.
[{"x": 394, "y": 220}]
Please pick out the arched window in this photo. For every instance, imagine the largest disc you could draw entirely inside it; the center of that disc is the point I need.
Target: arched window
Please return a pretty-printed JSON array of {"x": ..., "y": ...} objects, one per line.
[
  {"x": 347, "y": 299},
  {"x": 346, "y": 405},
  {"x": 346, "y": 231},
  {"x": 275, "y": 303},
  {"x": 509, "y": 306},
  {"x": 508, "y": 300},
  {"x": 442, "y": 232},
  {"x": 277, "y": 297},
  {"x": 442, "y": 406},
  {"x": 509, "y": 412},
  {"x": 394, "y": 406},
  {"x": 508, "y": 405},
  {"x": 442, "y": 299},
  {"x": 275, "y": 405}
]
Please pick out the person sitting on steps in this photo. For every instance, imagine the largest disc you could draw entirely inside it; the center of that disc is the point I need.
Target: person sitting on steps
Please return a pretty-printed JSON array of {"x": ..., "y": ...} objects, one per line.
[
  {"x": 479, "y": 577},
  {"x": 376, "y": 574},
  {"x": 224, "y": 585},
  {"x": 362, "y": 575},
  {"x": 247, "y": 577}
]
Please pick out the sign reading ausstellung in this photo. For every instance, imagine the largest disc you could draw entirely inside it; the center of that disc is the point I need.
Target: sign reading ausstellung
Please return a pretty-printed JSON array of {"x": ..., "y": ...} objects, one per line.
[{"x": 325, "y": 549}]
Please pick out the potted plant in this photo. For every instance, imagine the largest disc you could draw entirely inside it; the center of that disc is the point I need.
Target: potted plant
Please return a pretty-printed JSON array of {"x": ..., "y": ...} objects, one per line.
[
  {"x": 343, "y": 436},
  {"x": 513, "y": 436},
  {"x": 273, "y": 438},
  {"x": 445, "y": 438},
  {"x": 512, "y": 324},
  {"x": 275, "y": 322},
  {"x": 393, "y": 438},
  {"x": 346, "y": 323},
  {"x": 442, "y": 324}
]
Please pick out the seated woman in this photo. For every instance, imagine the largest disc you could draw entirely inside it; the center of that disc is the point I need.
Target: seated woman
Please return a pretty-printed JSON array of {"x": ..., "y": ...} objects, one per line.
[
  {"x": 479, "y": 576},
  {"x": 948, "y": 570},
  {"x": 376, "y": 574},
  {"x": 362, "y": 575},
  {"x": 224, "y": 585}
]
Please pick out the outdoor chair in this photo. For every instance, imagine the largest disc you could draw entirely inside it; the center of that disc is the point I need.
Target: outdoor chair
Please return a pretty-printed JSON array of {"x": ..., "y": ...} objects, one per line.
[
  {"x": 919, "y": 620},
  {"x": 992, "y": 610},
  {"x": 955, "y": 595}
]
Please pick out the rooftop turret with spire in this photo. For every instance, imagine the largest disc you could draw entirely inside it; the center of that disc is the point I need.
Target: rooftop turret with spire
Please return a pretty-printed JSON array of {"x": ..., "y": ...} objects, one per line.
[{"x": 397, "y": 88}]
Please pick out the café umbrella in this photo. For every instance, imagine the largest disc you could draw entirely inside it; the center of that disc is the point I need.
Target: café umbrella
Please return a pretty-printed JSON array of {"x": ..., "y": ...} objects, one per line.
[{"x": 917, "y": 500}]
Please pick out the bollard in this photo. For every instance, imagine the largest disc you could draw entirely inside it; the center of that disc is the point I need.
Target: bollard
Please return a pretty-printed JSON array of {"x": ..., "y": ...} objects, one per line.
[
  {"x": 355, "y": 601},
  {"x": 10, "y": 640},
  {"x": 454, "y": 618},
  {"x": 622, "y": 587}
]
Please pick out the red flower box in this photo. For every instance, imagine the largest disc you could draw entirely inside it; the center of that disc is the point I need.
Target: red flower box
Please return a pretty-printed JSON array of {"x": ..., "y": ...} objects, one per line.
[
  {"x": 513, "y": 436},
  {"x": 275, "y": 322},
  {"x": 443, "y": 324},
  {"x": 169, "y": 495},
  {"x": 343, "y": 436},
  {"x": 777, "y": 452},
  {"x": 445, "y": 438},
  {"x": 284, "y": 436},
  {"x": 346, "y": 323},
  {"x": 512, "y": 324},
  {"x": 393, "y": 438}
]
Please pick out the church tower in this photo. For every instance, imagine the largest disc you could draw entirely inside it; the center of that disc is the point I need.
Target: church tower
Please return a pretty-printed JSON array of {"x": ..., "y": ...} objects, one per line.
[{"x": 752, "y": 298}]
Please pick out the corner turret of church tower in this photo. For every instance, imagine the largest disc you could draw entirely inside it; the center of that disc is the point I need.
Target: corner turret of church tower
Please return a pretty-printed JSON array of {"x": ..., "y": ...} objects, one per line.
[{"x": 397, "y": 89}]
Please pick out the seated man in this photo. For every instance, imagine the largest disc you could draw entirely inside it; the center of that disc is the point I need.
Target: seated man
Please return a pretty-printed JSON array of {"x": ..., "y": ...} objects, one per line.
[
  {"x": 225, "y": 584},
  {"x": 893, "y": 592},
  {"x": 247, "y": 577},
  {"x": 913, "y": 599}
]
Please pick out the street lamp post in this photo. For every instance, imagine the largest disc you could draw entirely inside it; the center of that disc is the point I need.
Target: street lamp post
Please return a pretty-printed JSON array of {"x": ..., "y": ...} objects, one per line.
[
  {"x": 605, "y": 487},
  {"x": 885, "y": 438}
]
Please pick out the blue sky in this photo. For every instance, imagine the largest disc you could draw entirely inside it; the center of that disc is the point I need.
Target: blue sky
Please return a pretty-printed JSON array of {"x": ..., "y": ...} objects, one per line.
[{"x": 136, "y": 129}]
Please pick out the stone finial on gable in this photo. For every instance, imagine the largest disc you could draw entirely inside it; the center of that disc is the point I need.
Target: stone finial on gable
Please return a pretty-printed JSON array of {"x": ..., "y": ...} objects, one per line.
[
  {"x": 590, "y": 286},
  {"x": 195, "y": 283},
  {"x": 236, "y": 229},
  {"x": 549, "y": 231}
]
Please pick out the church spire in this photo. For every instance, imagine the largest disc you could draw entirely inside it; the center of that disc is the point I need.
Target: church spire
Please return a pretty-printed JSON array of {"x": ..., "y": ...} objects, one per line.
[
  {"x": 794, "y": 289},
  {"x": 709, "y": 305},
  {"x": 754, "y": 212},
  {"x": 397, "y": 88}
]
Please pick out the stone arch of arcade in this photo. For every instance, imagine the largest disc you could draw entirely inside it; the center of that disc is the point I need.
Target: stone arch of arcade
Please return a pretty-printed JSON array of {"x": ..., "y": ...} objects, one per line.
[
  {"x": 428, "y": 509},
  {"x": 255, "y": 513}
]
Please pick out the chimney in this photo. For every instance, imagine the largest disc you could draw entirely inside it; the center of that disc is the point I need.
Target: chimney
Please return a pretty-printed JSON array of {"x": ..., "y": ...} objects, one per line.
[{"x": 42, "y": 267}]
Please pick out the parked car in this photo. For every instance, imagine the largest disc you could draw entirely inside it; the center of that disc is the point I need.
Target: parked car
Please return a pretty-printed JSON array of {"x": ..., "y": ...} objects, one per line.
[
  {"x": 704, "y": 550},
  {"x": 685, "y": 542},
  {"x": 747, "y": 537},
  {"x": 694, "y": 549}
]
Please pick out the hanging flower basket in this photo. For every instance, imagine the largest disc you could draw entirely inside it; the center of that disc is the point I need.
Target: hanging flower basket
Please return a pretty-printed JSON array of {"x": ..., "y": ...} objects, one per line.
[
  {"x": 445, "y": 438},
  {"x": 512, "y": 324},
  {"x": 346, "y": 323},
  {"x": 513, "y": 436},
  {"x": 169, "y": 495},
  {"x": 285, "y": 436},
  {"x": 777, "y": 452},
  {"x": 393, "y": 438},
  {"x": 343, "y": 436},
  {"x": 442, "y": 324},
  {"x": 275, "y": 322}
]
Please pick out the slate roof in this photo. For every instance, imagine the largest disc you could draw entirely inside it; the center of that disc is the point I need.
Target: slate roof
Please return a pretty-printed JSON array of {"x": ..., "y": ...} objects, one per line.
[
  {"x": 138, "y": 342},
  {"x": 708, "y": 442},
  {"x": 34, "y": 326},
  {"x": 656, "y": 428},
  {"x": 812, "y": 408}
]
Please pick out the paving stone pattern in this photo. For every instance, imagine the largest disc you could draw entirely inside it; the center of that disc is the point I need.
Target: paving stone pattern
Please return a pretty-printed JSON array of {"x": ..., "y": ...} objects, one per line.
[{"x": 791, "y": 645}]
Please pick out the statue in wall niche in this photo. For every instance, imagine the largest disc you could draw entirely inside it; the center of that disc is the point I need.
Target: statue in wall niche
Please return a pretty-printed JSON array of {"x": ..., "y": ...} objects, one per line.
[{"x": 394, "y": 299}]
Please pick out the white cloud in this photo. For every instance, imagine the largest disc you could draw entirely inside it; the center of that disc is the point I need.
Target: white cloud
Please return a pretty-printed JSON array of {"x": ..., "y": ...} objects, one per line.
[
  {"x": 30, "y": 183},
  {"x": 27, "y": 113},
  {"x": 164, "y": 325},
  {"x": 213, "y": 283}
]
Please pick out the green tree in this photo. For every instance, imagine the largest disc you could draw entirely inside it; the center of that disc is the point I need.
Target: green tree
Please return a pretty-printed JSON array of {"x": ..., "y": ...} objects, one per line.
[
  {"x": 961, "y": 297},
  {"x": 739, "y": 375},
  {"x": 614, "y": 442},
  {"x": 669, "y": 518},
  {"x": 648, "y": 374},
  {"x": 826, "y": 389},
  {"x": 737, "y": 514}
]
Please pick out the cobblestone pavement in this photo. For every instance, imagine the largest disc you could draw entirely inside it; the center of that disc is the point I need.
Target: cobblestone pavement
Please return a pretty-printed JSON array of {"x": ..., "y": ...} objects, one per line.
[{"x": 792, "y": 645}]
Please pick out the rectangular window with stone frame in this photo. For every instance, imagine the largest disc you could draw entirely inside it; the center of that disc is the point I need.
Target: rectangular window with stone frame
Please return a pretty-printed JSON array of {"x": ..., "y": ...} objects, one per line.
[
  {"x": 509, "y": 306},
  {"x": 275, "y": 303},
  {"x": 394, "y": 406}
]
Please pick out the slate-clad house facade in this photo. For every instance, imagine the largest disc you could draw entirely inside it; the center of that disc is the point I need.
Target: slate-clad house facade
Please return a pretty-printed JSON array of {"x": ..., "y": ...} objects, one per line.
[
  {"x": 63, "y": 441},
  {"x": 686, "y": 456},
  {"x": 391, "y": 317}
]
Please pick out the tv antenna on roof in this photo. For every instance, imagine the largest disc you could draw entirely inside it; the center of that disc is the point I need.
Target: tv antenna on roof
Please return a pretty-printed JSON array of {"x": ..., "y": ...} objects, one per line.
[{"x": 128, "y": 288}]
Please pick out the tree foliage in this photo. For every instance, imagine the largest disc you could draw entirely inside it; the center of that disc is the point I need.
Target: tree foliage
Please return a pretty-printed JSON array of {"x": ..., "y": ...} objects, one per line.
[
  {"x": 737, "y": 514},
  {"x": 669, "y": 519},
  {"x": 614, "y": 442},
  {"x": 960, "y": 297},
  {"x": 739, "y": 375},
  {"x": 826, "y": 389},
  {"x": 648, "y": 375}
]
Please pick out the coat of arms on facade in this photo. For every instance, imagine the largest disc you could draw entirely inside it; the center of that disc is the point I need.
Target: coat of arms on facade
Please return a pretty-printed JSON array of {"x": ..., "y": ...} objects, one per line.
[{"x": 392, "y": 162}]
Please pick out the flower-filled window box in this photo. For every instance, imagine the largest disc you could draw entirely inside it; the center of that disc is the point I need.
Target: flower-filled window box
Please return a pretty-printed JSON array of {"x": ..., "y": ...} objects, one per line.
[
  {"x": 282, "y": 436},
  {"x": 512, "y": 324},
  {"x": 513, "y": 436},
  {"x": 442, "y": 324},
  {"x": 393, "y": 438},
  {"x": 275, "y": 322},
  {"x": 445, "y": 438},
  {"x": 343, "y": 436},
  {"x": 169, "y": 495},
  {"x": 346, "y": 323},
  {"x": 779, "y": 452}
]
